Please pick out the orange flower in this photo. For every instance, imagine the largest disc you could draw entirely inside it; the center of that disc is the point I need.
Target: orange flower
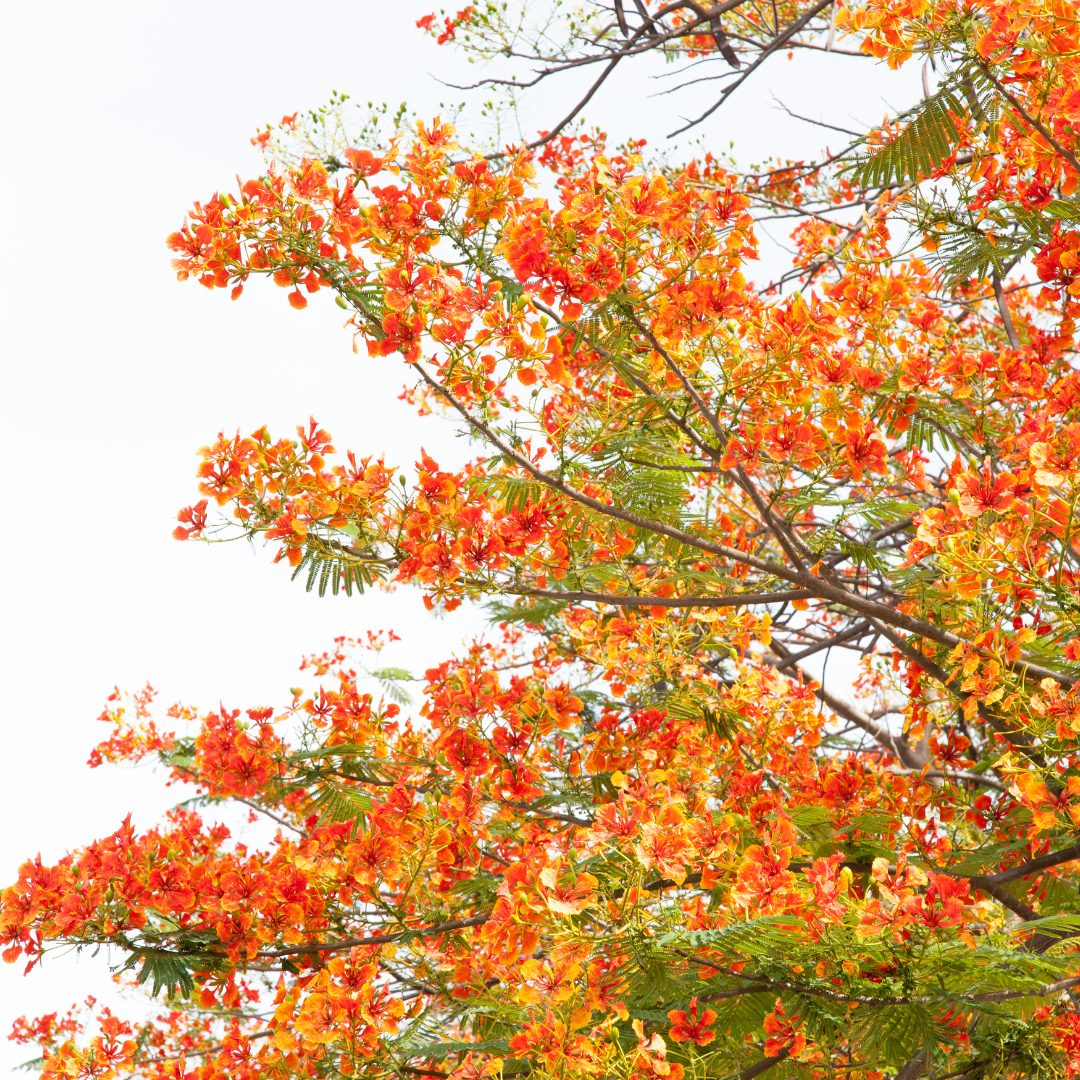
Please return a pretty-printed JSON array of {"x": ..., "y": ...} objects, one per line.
[{"x": 691, "y": 1027}]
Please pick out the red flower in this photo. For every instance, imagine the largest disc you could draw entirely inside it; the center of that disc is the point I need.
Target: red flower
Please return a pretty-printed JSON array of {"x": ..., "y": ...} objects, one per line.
[{"x": 692, "y": 1028}]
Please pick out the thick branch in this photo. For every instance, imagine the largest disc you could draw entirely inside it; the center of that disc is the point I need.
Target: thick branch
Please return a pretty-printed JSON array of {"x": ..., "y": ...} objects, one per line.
[
  {"x": 735, "y": 600},
  {"x": 1005, "y": 313},
  {"x": 1044, "y": 862},
  {"x": 913, "y": 1069},
  {"x": 764, "y": 1065},
  {"x": 954, "y": 774},
  {"x": 1005, "y": 899}
]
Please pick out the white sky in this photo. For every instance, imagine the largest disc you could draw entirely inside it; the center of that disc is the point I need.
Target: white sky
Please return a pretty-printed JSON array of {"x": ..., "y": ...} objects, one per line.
[{"x": 118, "y": 115}]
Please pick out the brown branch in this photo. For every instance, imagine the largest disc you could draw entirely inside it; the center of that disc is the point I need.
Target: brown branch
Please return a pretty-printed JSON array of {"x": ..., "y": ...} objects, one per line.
[
  {"x": 1044, "y": 862},
  {"x": 785, "y": 536},
  {"x": 913, "y": 1069},
  {"x": 991, "y": 885},
  {"x": 789, "y": 542},
  {"x": 1003, "y": 310},
  {"x": 262, "y": 810},
  {"x": 375, "y": 939},
  {"x": 1004, "y": 898},
  {"x": 716, "y": 28},
  {"x": 574, "y": 111},
  {"x": 687, "y": 385},
  {"x": 735, "y": 600},
  {"x": 954, "y": 774},
  {"x": 756, "y": 984},
  {"x": 1013, "y": 995},
  {"x": 776, "y": 43},
  {"x": 762, "y": 1066},
  {"x": 857, "y": 631},
  {"x": 631, "y": 48},
  {"x": 643, "y": 386}
]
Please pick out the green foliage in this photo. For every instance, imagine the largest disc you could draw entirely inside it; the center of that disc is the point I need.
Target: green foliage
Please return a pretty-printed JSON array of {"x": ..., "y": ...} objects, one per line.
[
  {"x": 967, "y": 104},
  {"x": 517, "y": 492},
  {"x": 339, "y": 802},
  {"x": 918, "y": 150},
  {"x": 930, "y": 132},
  {"x": 172, "y": 969},
  {"x": 527, "y": 611},
  {"x": 652, "y": 978},
  {"x": 764, "y": 937},
  {"x": 893, "y": 1034},
  {"x": 654, "y": 493},
  {"x": 330, "y": 564},
  {"x": 389, "y": 678}
]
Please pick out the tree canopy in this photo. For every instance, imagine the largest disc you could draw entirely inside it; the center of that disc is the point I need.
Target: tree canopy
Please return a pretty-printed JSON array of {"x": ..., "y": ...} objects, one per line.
[{"x": 631, "y": 833}]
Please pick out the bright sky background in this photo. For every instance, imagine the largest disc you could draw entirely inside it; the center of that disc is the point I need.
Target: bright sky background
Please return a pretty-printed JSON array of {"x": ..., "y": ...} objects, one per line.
[{"x": 118, "y": 115}]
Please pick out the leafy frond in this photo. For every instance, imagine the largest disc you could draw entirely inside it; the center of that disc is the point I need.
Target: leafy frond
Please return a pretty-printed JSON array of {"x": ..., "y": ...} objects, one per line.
[{"x": 930, "y": 132}]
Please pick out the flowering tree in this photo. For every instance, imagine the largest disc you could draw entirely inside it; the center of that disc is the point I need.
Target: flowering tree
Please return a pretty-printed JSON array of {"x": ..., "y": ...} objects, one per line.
[{"x": 629, "y": 834}]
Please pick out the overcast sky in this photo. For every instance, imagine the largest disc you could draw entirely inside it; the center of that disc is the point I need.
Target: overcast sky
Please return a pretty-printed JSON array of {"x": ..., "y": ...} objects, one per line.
[{"x": 118, "y": 115}]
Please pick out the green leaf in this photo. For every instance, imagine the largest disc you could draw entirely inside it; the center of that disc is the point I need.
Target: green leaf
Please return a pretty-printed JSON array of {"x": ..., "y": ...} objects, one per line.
[
  {"x": 170, "y": 970},
  {"x": 339, "y": 803},
  {"x": 442, "y": 1049},
  {"x": 924, "y": 143},
  {"x": 764, "y": 937}
]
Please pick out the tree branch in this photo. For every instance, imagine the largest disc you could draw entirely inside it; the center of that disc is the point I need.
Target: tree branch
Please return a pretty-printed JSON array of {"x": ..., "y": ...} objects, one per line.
[
  {"x": 762, "y": 1066},
  {"x": 1003, "y": 310},
  {"x": 376, "y": 939},
  {"x": 1044, "y": 862},
  {"x": 735, "y": 600},
  {"x": 775, "y": 44}
]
